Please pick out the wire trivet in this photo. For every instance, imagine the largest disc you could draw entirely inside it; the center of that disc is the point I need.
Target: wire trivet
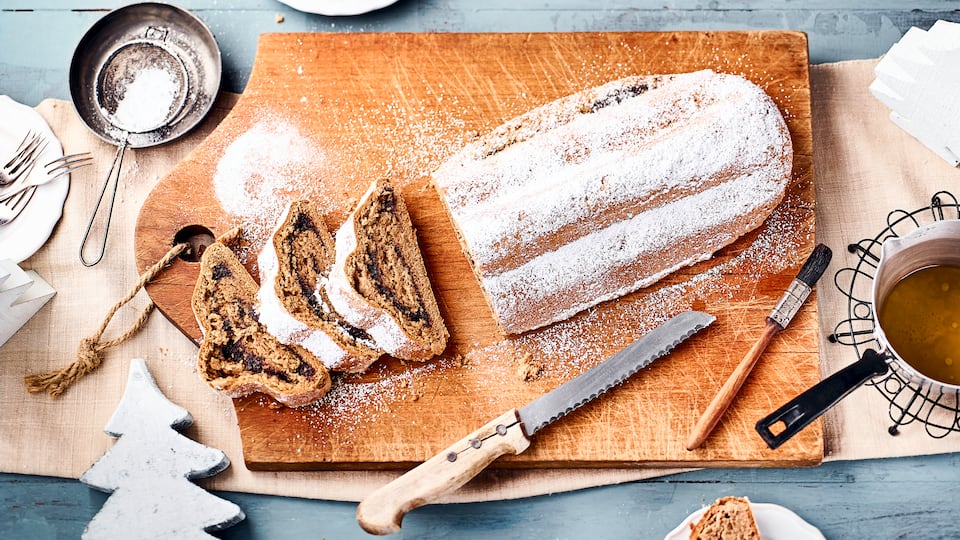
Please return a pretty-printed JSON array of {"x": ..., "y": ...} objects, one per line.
[{"x": 939, "y": 411}]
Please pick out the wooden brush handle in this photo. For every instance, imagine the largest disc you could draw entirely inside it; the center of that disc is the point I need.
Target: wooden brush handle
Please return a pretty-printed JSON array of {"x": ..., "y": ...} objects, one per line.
[{"x": 711, "y": 417}]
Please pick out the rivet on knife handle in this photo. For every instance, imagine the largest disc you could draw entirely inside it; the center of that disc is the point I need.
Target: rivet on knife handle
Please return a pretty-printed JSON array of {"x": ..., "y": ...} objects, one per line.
[
  {"x": 382, "y": 511},
  {"x": 779, "y": 318}
]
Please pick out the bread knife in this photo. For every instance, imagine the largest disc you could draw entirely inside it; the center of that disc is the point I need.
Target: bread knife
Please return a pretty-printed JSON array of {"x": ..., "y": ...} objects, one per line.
[{"x": 382, "y": 511}]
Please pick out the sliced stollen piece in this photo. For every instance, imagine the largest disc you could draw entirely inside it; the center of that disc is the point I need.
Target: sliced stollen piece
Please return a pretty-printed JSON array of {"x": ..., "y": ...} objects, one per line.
[
  {"x": 238, "y": 356},
  {"x": 379, "y": 281},
  {"x": 294, "y": 266},
  {"x": 606, "y": 191}
]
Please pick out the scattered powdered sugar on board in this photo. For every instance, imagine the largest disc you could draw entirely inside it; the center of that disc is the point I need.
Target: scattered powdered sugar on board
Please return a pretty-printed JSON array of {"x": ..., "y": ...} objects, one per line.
[
  {"x": 566, "y": 348},
  {"x": 273, "y": 162},
  {"x": 262, "y": 171},
  {"x": 426, "y": 136},
  {"x": 351, "y": 402}
]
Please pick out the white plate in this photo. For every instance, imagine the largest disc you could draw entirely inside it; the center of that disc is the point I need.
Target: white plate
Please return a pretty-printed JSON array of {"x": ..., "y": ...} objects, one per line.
[
  {"x": 24, "y": 236},
  {"x": 337, "y": 7},
  {"x": 775, "y": 523}
]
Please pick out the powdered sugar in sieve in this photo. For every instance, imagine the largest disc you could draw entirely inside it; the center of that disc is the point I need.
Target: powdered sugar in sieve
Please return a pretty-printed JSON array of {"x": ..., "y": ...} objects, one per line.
[{"x": 142, "y": 87}]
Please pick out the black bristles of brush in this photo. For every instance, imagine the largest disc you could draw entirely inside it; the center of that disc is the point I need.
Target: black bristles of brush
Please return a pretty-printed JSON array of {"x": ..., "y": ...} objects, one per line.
[
  {"x": 816, "y": 265},
  {"x": 801, "y": 287}
]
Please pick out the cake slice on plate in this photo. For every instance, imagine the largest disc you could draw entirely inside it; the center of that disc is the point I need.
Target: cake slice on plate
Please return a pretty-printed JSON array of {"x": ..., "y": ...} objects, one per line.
[
  {"x": 238, "y": 356},
  {"x": 379, "y": 281},
  {"x": 728, "y": 518}
]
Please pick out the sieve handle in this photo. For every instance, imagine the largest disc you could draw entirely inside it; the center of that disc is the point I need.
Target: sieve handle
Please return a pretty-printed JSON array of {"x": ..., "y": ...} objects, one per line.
[
  {"x": 818, "y": 399},
  {"x": 114, "y": 173}
]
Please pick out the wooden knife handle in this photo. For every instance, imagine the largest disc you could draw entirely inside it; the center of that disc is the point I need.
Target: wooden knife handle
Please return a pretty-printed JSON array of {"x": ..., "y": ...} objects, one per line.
[
  {"x": 721, "y": 402},
  {"x": 382, "y": 511}
]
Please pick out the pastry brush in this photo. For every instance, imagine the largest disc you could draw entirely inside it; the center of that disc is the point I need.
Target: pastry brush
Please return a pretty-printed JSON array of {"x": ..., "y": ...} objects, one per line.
[{"x": 779, "y": 318}]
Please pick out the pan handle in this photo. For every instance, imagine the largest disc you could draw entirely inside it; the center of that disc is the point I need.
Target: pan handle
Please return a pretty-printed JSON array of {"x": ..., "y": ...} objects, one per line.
[
  {"x": 797, "y": 413},
  {"x": 114, "y": 168}
]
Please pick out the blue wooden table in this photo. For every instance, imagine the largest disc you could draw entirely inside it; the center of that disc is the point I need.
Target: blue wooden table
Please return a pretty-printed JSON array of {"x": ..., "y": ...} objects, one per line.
[{"x": 895, "y": 498}]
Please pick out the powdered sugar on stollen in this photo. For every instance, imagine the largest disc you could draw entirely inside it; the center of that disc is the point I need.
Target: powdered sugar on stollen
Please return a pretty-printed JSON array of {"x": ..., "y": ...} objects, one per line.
[
  {"x": 589, "y": 267},
  {"x": 279, "y": 322},
  {"x": 610, "y": 175},
  {"x": 553, "y": 203},
  {"x": 379, "y": 324}
]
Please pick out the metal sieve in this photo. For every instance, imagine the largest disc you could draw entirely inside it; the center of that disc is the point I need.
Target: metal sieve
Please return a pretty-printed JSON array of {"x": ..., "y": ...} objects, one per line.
[{"x": 142, "y": 75}]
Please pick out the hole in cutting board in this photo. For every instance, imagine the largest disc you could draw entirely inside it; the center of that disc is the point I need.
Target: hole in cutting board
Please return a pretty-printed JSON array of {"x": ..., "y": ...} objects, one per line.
[{"x": 198, "y": 237}]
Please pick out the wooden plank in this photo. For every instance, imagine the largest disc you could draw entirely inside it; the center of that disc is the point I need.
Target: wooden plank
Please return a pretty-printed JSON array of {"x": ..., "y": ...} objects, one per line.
[
  {"x": 397, "y": 104},
  {"x": 825, "y": 496},
  {"x": 507, "y": 5},
  {"x": 836, "y": 32}
]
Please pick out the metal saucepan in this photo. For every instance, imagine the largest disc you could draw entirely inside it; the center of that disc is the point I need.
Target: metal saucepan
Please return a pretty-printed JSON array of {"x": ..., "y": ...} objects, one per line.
[
  {"x": 142, "y": 75},
  {"x": 935, "y": 244}
]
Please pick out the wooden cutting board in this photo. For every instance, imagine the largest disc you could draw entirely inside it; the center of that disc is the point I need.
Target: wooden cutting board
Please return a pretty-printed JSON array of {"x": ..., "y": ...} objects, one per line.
[{"x": 396, "y": 105}]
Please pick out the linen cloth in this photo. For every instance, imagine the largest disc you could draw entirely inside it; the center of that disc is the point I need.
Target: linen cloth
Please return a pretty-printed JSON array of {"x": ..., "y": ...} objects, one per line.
[{"x": 864, "y": 167}]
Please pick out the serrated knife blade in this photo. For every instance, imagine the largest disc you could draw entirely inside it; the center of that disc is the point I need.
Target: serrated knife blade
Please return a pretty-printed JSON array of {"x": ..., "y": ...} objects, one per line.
[
  {"x": 382, "y": 511},
  {"x": 611, "y": 372}
]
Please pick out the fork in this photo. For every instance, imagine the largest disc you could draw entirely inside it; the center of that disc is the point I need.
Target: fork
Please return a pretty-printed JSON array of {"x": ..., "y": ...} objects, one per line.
[
  {"x": 52, "y": 170},
  {"x": 29, "y": 150},
  {"x": 12, "y": 204}
]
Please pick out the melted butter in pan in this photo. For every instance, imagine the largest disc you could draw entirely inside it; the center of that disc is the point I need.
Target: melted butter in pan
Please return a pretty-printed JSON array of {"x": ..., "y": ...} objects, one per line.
[{"x": 921, "y": 320}]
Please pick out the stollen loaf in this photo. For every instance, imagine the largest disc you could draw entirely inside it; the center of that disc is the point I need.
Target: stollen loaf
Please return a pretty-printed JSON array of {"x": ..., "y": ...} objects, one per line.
[{"x": 608, "y": 190}]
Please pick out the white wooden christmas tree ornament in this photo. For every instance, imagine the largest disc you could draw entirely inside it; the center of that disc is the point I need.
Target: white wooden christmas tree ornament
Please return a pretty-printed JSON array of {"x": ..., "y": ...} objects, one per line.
[
  {"x": 918, "y": 80},
  {"x": 22, "y": 294},
  {"x": 149, "y": 469}
]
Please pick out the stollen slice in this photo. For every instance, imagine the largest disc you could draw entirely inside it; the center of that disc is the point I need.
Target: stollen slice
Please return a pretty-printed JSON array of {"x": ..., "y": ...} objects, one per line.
[
  {"x": 294, "y": 267},
  {"x": 238, "y": 356},
  {"x": 379, "y": 280}
]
